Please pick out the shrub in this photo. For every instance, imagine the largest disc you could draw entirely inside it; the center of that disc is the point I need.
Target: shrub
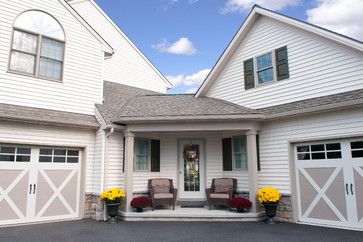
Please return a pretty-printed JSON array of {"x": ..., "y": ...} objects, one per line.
[
  {"x": 240, "y": 202},
  {"x": 141, "y": 202}
]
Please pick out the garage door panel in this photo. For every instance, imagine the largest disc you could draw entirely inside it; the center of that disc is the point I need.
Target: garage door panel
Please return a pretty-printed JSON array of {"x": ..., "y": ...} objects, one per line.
[
  {"x": 358, "y": 180},
  {"x": 323, "y": 211},
  {"x": 309, "y": 193},
  {"x": 336, "y": 194},
  {"x": 320, "y": 175},
  {"x": 7, "y": 212},
  {"x": 70, "y": 191},
  {"x": 56, "y": 208},
  {"x": 38, "y": 184}
]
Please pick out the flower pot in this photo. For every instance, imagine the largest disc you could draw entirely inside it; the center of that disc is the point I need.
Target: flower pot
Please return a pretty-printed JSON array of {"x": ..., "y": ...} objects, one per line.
[
  {"x": 270, "y": 209},
  {"x": 139, "y": 210},
  {"x": 112, "y": 211},
  {"x": 240, "y": 210}
]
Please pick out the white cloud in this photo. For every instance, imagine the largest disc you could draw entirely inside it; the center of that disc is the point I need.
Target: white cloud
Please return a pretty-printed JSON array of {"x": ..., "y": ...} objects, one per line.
[
  {"x": 232, "y": 6},
  {"x": 189, "y": 80},
  {"x": 181, "y": 47},
  {"x": 192, "y": 90},
  {"x": 343, "y": 16}
]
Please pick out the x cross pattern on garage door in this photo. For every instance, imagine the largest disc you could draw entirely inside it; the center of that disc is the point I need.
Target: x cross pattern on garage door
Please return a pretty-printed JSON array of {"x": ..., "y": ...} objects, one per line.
[
  {"x": 38, "y": 184},
  {"x": 330, "y": 182}
]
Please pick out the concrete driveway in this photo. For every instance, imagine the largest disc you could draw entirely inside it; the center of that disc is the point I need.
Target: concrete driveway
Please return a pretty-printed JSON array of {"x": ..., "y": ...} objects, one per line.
[{"x": 89, "y": 230}]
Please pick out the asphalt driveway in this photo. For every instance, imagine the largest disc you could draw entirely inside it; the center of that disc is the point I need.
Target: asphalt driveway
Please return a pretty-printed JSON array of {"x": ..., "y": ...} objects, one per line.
[{"x": 89, "y": 230}]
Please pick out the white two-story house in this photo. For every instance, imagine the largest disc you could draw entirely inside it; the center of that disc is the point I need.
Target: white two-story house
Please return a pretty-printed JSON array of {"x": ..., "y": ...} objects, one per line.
[{"x": 82, "y": 110}]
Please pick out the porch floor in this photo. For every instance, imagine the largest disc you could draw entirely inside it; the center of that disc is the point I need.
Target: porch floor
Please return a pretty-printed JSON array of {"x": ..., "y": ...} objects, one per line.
[{"x": 191, "y": 214}]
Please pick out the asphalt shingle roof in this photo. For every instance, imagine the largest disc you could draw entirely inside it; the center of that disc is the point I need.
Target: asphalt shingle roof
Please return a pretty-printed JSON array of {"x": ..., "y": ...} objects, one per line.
[
  {"x": 122, "y": 102},
  {"x": 46, "y": 116},
  {"x": 125, "y": 103},
  {"x": 316, "y": 104}
]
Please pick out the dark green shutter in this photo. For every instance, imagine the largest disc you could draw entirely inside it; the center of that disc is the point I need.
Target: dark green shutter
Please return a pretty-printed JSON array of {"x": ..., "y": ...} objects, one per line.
[
  {"x": 155, "y": 155},
  {"x": 249, "y": 74},
  {"x": 282, "y": 65},
  {"x": 258, "y": 152},
  {"x": 227, "y": 154}
]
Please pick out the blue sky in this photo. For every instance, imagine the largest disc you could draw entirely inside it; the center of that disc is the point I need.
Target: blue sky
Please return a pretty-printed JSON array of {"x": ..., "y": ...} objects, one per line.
[{"x": 184, "y": 38}]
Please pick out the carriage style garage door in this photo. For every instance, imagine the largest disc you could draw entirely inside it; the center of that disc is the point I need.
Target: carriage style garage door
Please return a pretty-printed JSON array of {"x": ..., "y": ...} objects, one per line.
[
  {"x": 329, "y": 179},
  {"x": 38, "y": 184}
]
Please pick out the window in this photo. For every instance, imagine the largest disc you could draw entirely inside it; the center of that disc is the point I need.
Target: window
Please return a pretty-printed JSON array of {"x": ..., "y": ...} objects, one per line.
[
  {"x": 49, "y": 155},
  {"x": 239, "y": 153},
  {"x": 14, "y": 154},
  {"x": 142, "y": 154},
  {"x": 319, "y": 151},
  {"x": 264, "y": 68},
  {"x": 356, "y": 149},
  {"x": 38, "y": 46},
  {"x": 269, "y": 67}
]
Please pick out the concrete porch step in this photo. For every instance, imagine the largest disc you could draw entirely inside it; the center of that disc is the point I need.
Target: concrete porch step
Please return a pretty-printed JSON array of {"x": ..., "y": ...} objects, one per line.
[
  {"x": 191, "y": 204},
  {"x": 192, "y": 214}
]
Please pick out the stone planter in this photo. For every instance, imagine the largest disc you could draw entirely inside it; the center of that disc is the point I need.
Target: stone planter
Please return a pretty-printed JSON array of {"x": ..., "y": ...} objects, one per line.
[
  {"x": 112, "y": 211},
  {"x": 270, "y": 209}
]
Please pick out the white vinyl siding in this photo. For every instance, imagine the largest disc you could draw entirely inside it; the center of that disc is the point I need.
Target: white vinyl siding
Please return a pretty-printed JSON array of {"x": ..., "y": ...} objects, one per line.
[
  {"x": 276, "y": 135},
  {"x": 317, "y": 67},
  {"x": 114, "y": 161},
  {"x": 127, "y": 65},
  {"x": 83, "y": 61}
]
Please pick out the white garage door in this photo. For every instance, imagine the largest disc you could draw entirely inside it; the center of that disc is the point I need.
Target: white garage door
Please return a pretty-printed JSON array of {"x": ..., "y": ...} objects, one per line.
[
  {"x": 330, "y": 182},
  {"x": 38, "y": 184}
]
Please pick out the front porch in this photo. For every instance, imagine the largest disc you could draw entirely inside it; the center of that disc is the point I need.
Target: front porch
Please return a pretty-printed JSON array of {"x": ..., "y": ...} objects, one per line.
[
  {"x": 172, "y": 138},
  {"x": 193, "y": 214}
]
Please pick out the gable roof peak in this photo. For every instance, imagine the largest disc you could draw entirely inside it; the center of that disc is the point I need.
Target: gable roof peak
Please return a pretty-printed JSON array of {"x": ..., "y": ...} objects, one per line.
[{"x": 255, "y": 13}]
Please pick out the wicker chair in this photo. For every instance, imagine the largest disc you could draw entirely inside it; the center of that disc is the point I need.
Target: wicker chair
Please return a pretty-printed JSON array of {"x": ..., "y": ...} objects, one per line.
[
  {"x": 162, "y": 192},
  {"x": 221, "y": 191}
]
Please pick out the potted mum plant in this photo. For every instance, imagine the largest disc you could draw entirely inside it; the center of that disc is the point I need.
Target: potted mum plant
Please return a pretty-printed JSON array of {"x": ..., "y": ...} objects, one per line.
[
  {"x": 269, "y": 198},
  {"x": 112, "y": 199},
  {"x": 240, "y": 204},
  {"x": 140, "y": 203}
]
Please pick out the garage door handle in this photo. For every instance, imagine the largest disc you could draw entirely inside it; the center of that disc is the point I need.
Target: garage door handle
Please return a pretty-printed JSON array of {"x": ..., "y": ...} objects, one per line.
[
  {"x": 34, "y": 188},
  {"x": 351, "y": 188},
  {"x": 30, "y": 189},
  {"x": 347, "y": 188}
]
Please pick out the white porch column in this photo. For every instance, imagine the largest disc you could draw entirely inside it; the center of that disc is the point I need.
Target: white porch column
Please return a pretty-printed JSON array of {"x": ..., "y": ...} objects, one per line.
[
  {"x": 129, "y": 168},
  {"x": 252, "y": 167}
]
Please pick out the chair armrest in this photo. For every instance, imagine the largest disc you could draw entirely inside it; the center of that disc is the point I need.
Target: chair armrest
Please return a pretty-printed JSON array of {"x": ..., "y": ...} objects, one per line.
[
  {"x": 231, "y": 193},
  {"x": 175, "y": 192}
]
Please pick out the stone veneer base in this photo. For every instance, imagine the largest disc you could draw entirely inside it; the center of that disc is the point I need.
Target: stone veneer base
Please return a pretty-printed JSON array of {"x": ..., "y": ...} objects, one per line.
[{"x": 284, "y": 209}]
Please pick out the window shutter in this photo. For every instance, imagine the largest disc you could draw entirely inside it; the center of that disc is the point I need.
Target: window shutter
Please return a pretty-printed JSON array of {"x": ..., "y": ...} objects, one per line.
[
  {"x": 282, "y": 65},
  {"x": 155, "y": 155},
  {"x": 249, "y": 74},
  {"x": 227, "y": 154}
]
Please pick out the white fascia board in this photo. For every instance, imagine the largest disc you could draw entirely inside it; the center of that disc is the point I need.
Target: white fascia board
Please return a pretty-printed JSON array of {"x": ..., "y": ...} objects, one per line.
[{"x": 106, "y": 47}]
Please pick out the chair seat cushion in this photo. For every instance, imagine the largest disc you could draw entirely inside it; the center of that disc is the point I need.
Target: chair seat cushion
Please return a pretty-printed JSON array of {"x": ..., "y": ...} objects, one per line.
[
  {"x": 219, "y": 195},
  {"x": 163, "y": 195}
]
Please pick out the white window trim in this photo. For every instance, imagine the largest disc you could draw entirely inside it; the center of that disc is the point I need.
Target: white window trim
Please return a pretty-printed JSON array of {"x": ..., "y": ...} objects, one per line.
[
  {"x": 273, "y": 56},
  {"x": 233, "y": 155},
  {"x": 148, "y": 167}
]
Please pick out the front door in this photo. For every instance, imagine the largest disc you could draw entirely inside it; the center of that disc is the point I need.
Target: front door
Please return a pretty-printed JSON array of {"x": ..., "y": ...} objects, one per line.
[{"x": 191, "y": 169}]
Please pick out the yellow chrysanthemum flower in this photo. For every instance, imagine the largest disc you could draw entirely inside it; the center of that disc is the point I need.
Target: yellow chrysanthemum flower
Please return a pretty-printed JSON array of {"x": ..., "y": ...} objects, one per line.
[
  {"x": 268, "y": 195},
  {"x": 113, "y": 195}
]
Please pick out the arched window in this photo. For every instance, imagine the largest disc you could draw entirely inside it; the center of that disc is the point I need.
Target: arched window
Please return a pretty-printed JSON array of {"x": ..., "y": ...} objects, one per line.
[{"x": 38, "y": 45}]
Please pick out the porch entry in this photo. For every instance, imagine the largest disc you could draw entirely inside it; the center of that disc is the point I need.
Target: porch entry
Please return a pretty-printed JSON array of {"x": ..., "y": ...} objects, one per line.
[{"x": 191, "y": 182}]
